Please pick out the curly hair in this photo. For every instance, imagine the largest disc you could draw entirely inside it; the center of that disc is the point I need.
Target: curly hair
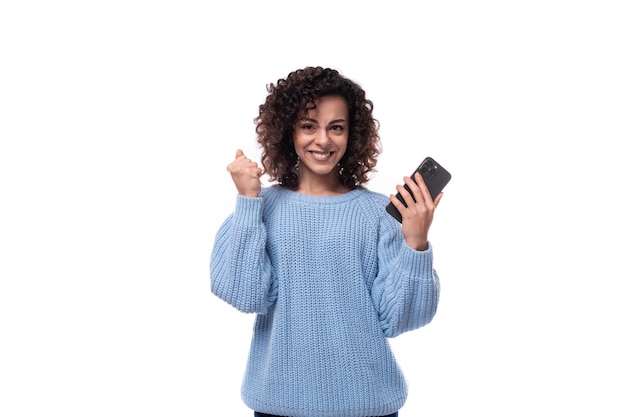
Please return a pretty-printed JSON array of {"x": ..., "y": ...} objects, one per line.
[{"x": 295, "y": 94}]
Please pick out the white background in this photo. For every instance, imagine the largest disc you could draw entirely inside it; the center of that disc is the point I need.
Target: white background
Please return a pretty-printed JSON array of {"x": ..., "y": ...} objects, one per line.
[{"x": 117, "y": 121}]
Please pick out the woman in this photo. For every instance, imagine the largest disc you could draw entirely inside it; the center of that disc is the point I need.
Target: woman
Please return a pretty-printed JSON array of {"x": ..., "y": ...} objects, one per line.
[{"x": 329, "y": 273}]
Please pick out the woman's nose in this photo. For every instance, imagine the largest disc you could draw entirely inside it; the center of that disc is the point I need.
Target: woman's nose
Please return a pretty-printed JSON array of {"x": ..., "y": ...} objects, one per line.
[{"x": 322, "y": 138}]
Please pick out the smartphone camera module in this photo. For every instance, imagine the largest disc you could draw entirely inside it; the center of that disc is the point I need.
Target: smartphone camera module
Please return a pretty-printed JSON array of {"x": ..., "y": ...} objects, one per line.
[{"x": 428, "y": 170}]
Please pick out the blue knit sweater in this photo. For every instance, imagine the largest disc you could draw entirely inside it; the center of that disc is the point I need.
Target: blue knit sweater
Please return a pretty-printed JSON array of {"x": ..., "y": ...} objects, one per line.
[{"x": 330, "y": 279}]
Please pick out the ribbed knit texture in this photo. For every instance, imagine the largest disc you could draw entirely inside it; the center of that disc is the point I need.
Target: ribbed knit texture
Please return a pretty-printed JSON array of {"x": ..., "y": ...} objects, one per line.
[{"x": 330, "y": 278}]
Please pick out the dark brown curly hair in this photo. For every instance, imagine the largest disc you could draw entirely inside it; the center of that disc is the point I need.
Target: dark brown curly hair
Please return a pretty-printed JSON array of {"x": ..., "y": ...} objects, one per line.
[{"x": 289, "y": 98}]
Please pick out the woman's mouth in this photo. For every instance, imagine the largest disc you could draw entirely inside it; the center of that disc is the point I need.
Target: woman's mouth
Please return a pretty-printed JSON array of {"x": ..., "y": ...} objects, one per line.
[{"x": 321, "y": 156}]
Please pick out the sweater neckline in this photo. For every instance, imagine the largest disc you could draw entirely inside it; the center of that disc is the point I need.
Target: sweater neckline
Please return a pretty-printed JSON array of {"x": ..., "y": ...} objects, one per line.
[{"x": 328, "y": 199}]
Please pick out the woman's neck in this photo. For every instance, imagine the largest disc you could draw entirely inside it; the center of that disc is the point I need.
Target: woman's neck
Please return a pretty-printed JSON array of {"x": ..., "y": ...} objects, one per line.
[{"x": 320, "y": 186}]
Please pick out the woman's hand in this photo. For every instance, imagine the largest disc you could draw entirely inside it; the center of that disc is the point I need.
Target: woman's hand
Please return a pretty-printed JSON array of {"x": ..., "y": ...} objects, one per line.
[
  {"x": 417, "y": 216},
  {"x": 246, "y": 175}
]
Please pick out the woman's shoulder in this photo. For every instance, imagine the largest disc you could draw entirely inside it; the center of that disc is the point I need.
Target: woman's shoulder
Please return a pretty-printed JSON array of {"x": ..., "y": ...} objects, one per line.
[
  {"x": 372, "y": 204},
  {"x": 268, "y": 191},
  {"x": 272, "y": 195},
  {"x": 373, "y": 196},
  {"x": 274, "y": 192}
]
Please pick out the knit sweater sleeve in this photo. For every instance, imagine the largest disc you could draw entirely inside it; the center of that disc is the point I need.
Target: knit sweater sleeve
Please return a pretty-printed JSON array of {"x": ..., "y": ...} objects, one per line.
[
  {"x": 240, "y": 267},
  {"x": 406, "y": 289}
]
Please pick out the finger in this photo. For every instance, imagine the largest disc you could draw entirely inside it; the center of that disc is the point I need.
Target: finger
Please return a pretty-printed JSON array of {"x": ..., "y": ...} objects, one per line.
[
  {"x": 238, "y": 153},
  {"x": 397, "y": 203},
  {"x": 243, "y": 169},
  {"x": 438, "y": 199},
  {"x": 415, "y": 189},
  {"x": 239, "y": 164},
  {"x": 405, "y": 194},
  {"x": 421, "y": 184}
]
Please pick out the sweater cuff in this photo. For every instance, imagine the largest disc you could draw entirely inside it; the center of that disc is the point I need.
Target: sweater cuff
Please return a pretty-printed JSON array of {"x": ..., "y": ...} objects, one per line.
[
  {"x": 248, "y": 210},
  {"x": 414, "y": 260}
]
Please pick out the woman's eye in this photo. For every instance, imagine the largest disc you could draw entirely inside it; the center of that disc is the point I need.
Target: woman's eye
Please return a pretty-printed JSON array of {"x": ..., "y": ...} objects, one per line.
[
  {"x": 307, "y": 127},
  {"x": 337, "y": 128}
]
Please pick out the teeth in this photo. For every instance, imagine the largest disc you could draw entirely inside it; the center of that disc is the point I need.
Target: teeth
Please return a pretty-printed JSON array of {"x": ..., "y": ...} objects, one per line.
[{"x": 321, "y": 155}]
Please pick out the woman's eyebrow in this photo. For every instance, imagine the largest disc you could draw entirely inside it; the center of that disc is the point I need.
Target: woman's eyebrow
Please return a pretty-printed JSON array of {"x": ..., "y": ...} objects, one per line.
[{"x": 309, "y": 119}]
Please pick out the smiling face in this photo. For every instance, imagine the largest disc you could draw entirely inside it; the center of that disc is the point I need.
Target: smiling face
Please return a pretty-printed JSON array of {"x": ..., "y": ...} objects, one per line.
[{"x": 321, "y": 140}]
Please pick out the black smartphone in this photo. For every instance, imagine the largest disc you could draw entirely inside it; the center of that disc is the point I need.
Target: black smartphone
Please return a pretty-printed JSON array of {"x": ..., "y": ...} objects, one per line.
[{"x": 435, "y": 176}]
